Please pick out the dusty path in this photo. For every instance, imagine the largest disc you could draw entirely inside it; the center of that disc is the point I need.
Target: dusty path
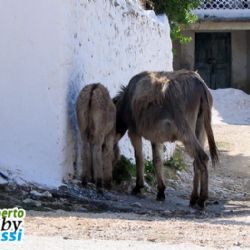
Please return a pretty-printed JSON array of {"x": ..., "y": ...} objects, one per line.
[
  {"x": 234, "y": 144},
  {"x": 119, "y": 220},
  {"x": 233, "y": 172},
  {"x": 219, "y": 233},
  {"x": 171, "y": 223}
]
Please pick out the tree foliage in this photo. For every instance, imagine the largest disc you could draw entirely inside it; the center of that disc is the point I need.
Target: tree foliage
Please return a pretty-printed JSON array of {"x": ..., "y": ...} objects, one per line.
[{"x": 179, "y": 13}]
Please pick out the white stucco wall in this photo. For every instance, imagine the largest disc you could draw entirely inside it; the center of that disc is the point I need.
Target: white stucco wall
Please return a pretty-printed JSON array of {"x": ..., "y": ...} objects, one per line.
[
  {"x": 33, "y": 86},
  {"x": 49, "y": 51}
]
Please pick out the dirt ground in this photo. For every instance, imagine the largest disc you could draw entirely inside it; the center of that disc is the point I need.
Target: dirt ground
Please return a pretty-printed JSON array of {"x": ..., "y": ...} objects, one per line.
[
  {"x": 71, "y": 215},
  {"x": 224, "y": 224}
]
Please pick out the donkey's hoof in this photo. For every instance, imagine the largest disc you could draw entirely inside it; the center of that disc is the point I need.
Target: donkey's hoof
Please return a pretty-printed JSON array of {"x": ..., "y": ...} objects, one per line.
[
  {"x": 84, "y": 182},
  {"x": 100, "y": 191},
  {"x": 108, "y": 185},
  {"x": 193, "y": 201},
  {"x": 201, "y": 204},
  {"x": 160, "y": 196},
  {"x": 198, "y": 204},
  {"x": 99, "y": 186},
  {"x": 136, "y": 191}
]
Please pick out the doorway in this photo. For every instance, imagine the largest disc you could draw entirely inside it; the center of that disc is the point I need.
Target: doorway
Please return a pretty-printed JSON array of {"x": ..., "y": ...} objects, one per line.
[{"x": 213, "y": 58}]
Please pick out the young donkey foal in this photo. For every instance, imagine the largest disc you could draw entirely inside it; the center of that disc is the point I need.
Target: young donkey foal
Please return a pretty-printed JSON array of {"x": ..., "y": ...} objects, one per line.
[
  {"x": 96, "y": 120},
  {"x": 168, "y": 106}
]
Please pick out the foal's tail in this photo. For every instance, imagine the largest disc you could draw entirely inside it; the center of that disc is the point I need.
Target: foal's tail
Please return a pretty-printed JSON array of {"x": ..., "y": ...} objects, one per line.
[
  {"x": 83, "y": 106},
  {"x": 207, "y": 102}
]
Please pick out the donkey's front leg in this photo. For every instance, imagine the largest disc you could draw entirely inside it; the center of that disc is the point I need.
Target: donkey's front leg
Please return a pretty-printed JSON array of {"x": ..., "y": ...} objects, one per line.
[
  {"x": 136, "y": 141},
  {"x": 157, "y": 151}
]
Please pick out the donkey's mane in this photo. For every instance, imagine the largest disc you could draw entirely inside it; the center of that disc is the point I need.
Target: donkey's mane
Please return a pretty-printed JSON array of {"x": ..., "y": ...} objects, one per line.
[{"x": 117, "y": 99}]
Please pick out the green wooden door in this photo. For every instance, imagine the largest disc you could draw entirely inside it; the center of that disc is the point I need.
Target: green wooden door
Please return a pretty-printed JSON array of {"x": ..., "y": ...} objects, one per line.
[{"x": 213, "y": 58}]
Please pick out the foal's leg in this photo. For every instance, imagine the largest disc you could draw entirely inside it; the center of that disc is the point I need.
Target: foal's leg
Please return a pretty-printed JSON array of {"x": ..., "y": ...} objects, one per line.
[
  {"x": 136, "y": 141},
  {"x": 157, "y": 150},
  {"x": 108, "y": 156},
  {"x": 97, "y": 160},
  {"x": 86, "y": 161}
]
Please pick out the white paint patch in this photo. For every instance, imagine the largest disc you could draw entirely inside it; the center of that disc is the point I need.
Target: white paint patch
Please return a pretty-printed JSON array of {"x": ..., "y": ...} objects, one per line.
[{"x": 49, "y": 51}]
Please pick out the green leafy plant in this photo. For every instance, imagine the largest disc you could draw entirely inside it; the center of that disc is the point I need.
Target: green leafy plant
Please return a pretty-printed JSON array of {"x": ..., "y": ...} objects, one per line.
[
  {"x": 149, "y": 171},
  {"x": 124, "y": 170},
  {"x": 179, "y": 13},
  {"x": 176, "y": 162}
]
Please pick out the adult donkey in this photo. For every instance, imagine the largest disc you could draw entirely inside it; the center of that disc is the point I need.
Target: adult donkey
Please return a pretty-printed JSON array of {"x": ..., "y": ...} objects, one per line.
[{"x": 165, "y": 107}]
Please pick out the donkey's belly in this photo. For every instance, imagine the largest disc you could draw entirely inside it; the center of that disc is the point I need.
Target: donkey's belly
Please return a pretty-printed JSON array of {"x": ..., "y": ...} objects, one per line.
[{"x": 159, "y": 132}]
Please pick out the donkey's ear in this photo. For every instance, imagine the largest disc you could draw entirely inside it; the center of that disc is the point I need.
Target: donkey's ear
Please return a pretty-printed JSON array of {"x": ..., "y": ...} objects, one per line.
[{"x": 115, "y": 99}]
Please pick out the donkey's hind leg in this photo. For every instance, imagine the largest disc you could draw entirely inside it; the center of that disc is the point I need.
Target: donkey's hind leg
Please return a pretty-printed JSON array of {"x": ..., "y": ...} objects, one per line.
[
  {"x": 196, "y": 185},
  {"x": 157, "y": 151},
  {"x": 193, "y": 147},
  {"x": 203, "y": 173},
  {"x": 200, "y": 183},
  {"x": 136, "y": 141}
]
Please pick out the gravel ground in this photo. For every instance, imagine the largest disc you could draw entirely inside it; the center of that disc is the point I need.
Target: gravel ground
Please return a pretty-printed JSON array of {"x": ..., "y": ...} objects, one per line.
[
  {"x": 58, "y": 243},
  {"x": 119, "y": 220}
]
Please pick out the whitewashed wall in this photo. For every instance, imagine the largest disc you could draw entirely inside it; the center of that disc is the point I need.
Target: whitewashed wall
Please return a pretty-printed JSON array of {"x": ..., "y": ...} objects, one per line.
[{"x": 48, "y": 51}]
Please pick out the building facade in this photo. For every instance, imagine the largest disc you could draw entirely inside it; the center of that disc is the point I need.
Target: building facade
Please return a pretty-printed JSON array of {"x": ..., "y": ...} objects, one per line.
[
  {"x": 220, "y": 46},
  {"x": 49, "y": 51}
]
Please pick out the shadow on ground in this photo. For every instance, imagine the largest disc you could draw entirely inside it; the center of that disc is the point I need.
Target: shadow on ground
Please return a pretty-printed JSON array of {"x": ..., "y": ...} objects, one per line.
[{"x": 229, "y": 197}]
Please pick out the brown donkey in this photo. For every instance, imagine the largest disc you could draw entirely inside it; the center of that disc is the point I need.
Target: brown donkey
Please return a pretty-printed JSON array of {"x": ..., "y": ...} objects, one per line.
[
  {"x": 165, "y": 107},
  {"x": 96, "y": 120}
]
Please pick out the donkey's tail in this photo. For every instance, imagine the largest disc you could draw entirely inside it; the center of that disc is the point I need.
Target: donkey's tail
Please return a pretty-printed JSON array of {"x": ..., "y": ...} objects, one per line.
[
  {"x": 207, "y": 102},
  {"x": 83, "y": 106}
]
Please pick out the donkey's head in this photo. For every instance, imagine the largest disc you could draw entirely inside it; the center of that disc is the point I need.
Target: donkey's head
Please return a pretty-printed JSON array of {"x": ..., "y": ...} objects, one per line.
[{"x": 121, "y": 126}]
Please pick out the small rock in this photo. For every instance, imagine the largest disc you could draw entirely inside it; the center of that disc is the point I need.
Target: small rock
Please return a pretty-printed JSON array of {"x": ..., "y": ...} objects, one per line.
[
  {"x": 136, "y": 204},
  {"x": 11, "y": 187},
  {"x": 66, "y": 238},
  {"x": 35, "y": 193},
  {"x": 80, "y": 209},
  {"x": 238, "y": 244},
  {"x": 63, "y": 188},
  {"x": 75, "y": 181},
  {"x": 44, "y": 194},
  {"x": 47, "y": 194},
  {"x": 170, "y": 189},
  {"x": 152, "y": 239},
  {"x": 32, "y": 202},
  {"x": 166, "y": 212}
]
